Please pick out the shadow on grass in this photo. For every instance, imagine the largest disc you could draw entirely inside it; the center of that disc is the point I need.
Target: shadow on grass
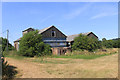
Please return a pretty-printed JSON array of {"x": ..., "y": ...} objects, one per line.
[{"x": 9, "y": 72}]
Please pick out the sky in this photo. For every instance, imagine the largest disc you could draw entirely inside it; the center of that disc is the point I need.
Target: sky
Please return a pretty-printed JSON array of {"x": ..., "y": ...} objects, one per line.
[{"x": 70, "y": 17}]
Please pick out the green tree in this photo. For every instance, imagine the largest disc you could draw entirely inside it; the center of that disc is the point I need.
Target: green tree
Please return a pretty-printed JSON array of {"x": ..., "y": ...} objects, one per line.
[
  {"x": 119, "y": 43},
  {"x": 31, "y": 44},
  {"x": 109, "y": 43},
  {"x": 116, "y": 43},
  {"x": 86, "y": 43},
  {"x": 3, "y": 43},
  {"x": 104, "y": 39},
  {"x": 104, "y": 42}
]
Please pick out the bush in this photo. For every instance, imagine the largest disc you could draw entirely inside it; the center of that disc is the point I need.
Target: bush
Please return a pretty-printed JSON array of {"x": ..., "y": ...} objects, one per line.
[
  {"x": 115, "y": 43},
  {"x": 8, "y": 71},
  {"x": 86, "y": 43},
  {"x": 31, "y": 44},
  {"x": 4, "y": 68},
  {"x": 3, "y": 41}
]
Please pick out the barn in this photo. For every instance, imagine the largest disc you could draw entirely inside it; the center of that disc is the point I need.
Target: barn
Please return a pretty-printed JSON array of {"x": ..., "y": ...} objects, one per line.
[
  {"x": 70, "y": 38},
  {"x": 59, "y": 42},
  {"x": 50, "y": 35}
]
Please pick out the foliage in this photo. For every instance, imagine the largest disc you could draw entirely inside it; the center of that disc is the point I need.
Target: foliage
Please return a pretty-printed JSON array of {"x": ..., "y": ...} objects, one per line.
[
  {"x": 31, "y": 44},
  {"x": 3, "y": 41},
  {"x": 91, "y": 44},
  {"x": 86, "y": 43},
  {"x": 4, "y": 67},
  {"x": 8, "y": 72},
  {"x": 115, "y": 43}
]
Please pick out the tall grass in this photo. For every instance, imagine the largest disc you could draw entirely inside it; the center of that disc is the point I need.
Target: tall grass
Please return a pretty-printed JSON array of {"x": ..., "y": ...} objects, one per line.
[
  {"x": 88, "y": 55},
  {"x": 73, "y": 55},
  {"x": 13, "y": 54},
  {"x": 83, "y": 56}
]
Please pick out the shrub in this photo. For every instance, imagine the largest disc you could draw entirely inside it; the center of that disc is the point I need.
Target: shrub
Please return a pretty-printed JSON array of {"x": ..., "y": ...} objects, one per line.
[
  {"x": 4, "y": 68},
  {"x": 3, "y": 41},
  {"x": 8, "y": 71},
  {"x": 86, "y": 43},
  {"x": 115, "y": 43},
  {"x": 31, "y": 44}
]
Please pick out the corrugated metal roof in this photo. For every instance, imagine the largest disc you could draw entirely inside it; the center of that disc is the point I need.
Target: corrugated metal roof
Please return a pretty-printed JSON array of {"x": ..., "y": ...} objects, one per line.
[
  {"x": 69, "y": 38},
  {"x": 72, "y": 37},
  {"x": 42, "y": 30}
]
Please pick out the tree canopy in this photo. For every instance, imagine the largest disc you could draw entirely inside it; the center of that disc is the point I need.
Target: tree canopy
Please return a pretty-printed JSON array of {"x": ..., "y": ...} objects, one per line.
[
  {"x": 113, "y": 43},
  {"x": 3, "y": 43},
  {"x": 31, "y": 44},
  {"x": 83, "y": 42}
]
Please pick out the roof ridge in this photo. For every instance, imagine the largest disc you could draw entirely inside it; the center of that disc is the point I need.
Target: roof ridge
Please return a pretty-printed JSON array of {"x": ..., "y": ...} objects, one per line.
[
  {"x": 73, "y": 34},
  {"x": 27, "y": 29},
  {"x": 80, "y": 33},
  {"x": 44, "y": 29}
]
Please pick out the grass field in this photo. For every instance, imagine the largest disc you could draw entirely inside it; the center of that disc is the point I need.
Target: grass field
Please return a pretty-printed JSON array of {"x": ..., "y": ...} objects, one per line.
[{"x": 71, "y": 66}]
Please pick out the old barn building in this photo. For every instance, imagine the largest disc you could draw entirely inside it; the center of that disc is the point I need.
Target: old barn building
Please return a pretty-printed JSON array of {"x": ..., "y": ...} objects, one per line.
[
  {"x": 52, "y": 36},
  {"x": 70, "y": 38},
  {"x": 59, "y": 42}
]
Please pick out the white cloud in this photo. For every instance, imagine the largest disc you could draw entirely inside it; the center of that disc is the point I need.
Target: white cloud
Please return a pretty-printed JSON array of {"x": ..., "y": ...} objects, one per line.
[
  {"x": 104, "y": 10},
  {"x": 46, "y": 18},
  {"x": 99, "y": 15},
  {"x": 77, "y": 12},
  {"x": 103, "y": 15}
]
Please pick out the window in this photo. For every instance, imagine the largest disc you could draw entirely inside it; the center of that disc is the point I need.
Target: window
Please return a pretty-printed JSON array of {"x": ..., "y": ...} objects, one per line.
[{"x": 53, "y": 33}]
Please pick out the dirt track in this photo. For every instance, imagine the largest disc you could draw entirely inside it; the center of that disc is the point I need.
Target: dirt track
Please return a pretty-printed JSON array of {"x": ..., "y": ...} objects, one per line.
[{"x": 103, "y": 67}]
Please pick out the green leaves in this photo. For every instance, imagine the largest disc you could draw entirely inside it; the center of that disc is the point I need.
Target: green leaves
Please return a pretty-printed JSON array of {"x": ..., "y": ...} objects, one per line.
[
  {"x": 31, "y": 44},
  {"x": 85, "y": 43},
  {"x": 111, "y": 43},
  {"x": 3, "y": 43}
]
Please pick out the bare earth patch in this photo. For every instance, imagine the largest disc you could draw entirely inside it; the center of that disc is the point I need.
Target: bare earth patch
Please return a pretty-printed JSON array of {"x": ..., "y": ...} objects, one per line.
[{"x": 103, "y": 67}]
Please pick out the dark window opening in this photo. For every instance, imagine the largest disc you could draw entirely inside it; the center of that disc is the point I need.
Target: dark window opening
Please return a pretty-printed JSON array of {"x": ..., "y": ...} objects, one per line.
[{"x": 53, "y": 34}]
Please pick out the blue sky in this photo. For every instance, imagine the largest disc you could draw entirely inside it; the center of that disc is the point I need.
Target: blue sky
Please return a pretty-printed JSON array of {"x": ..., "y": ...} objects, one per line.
[{"x": 70, "y": 17}]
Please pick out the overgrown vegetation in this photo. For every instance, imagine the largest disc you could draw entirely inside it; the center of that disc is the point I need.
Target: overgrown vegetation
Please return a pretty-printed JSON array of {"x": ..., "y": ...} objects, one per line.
[
  {"x": 115, "y": 43},
  {"x": 74, "y": 55},
  {"x": 83, "y": 56},
  {"x": 86, "y": 43},
  {"x": 8, "y": 71},
  {"x": 31, "y": 44},
  {"x": 4, "y": 44},
  {"x": 91, "y": 44},
  {"x": 89, "y": 55}
]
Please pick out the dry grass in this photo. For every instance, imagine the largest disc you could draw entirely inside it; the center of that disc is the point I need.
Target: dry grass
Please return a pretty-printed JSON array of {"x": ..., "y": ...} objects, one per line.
[
  {"x": 103, "y": 67},
  {"x": 99, "y": 51}
]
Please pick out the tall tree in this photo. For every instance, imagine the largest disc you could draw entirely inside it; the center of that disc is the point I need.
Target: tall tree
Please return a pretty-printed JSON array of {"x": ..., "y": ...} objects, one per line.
[
  {"x": 31, "y": 44},
  {"x": 85, "y": 43},
  {"x": 3, "y": 43}
]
